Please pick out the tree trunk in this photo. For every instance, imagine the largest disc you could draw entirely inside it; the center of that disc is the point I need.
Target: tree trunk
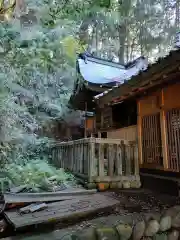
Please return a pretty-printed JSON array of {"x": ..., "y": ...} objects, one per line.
[
  {"x": 177, "y": 15},
  {"x": 122, "y": 39},
  {"x": 124, "y": 10}
]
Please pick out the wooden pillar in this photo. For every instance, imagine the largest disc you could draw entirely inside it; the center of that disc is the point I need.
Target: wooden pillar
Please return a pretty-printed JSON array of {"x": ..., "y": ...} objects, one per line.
[
  {"x": 139, "y": 133},
  {"x": 163, "y": 132},
  {"x": 85, "y": 123}
]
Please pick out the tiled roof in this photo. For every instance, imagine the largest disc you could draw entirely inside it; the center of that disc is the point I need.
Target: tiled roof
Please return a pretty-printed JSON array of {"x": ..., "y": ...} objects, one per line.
[
  {"x": 103, "y": 72},
  {"x": 137, "y": 80}
]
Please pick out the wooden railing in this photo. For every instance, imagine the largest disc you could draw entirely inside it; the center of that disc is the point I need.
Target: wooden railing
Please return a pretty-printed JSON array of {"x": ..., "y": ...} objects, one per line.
[{"x": 98, "y": 159}]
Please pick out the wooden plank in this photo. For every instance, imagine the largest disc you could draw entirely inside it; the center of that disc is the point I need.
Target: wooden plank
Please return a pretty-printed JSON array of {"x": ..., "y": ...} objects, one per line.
[
  {"x": 45, "y": 197},
  {"x": 62, "y": 211}
]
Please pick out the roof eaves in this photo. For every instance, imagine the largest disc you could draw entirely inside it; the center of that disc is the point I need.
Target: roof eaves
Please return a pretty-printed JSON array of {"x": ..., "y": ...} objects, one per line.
[
  {"x": 97, "y": 97},
  {"x": 104, "y": 62}
]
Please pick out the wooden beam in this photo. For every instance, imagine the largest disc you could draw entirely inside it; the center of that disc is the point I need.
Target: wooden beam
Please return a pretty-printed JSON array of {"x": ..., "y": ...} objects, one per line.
[
  {"x": 163, "y": 132},
  {"x": 139, "y": 125}
]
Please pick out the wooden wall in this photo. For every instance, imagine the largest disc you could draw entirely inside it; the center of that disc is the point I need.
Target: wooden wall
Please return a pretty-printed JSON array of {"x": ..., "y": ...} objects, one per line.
[
  {"x": 172, "y": 96},
  {"x": 152, "y": 103},
  {"x": 158, "y": 103},
  {"x": 149, "y": 104},
  {"x": 127, "y": 133}
]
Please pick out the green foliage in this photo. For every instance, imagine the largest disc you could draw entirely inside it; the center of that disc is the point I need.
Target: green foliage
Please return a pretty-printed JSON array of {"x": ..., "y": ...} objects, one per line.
[
  {"x": 37, "y": 74},
  {"x": 38, "y": 175}
]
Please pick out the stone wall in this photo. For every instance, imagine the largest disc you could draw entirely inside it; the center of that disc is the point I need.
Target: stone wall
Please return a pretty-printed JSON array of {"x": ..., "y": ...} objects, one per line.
[{"x": 164, "y": 226}]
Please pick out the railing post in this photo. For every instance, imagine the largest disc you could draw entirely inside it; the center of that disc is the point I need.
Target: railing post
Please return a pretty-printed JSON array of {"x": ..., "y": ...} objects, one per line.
[
  {"x": 110, "y": 160},
  {"x": 101, "y": 159},
  {"x": 72, "y": 157},
  {"x": 91, "y": 159},
  {"x": 136, "y": 160},
  {"x": 128, "y": 158},
  {"x": 119, "y": 160}
]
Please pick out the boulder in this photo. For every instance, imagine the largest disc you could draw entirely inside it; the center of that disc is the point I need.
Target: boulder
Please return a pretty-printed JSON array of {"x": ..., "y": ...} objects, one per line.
[
  {"x": 70, "y": 237},
  {"x": 119, "y": 184},
  {"x": 176, "y": 221},
  {"x": 138, "y": 230},
  {"x": 165, "y": 223},
  {"x": 160, "y": 236},
  {"x": 172, "y": 212},
  {"x": 113, "y": 185},
  {"x": 135, "y": 184},
  {"x": 173, "y": 235},
  {"x": 106, "y": 233},
  {"x": 152, "y": 216},
  {"x": 126, "y": 184},
  {"x": 89, "y": 234},
  {"x": 152, "y": 228},
  {"x": 124, "y": 231}
]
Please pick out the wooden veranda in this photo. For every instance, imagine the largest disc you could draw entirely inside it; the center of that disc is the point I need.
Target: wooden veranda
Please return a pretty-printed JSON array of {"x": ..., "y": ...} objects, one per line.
[{"x": 99, "y": 162}]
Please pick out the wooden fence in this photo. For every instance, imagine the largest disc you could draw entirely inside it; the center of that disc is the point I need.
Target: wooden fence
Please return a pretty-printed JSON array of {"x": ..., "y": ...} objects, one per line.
[{"x": 98, "y": 159}]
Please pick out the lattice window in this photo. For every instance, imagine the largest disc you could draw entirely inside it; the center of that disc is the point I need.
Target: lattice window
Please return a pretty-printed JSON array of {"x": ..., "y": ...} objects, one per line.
[
  {"x": 173, "y": 138},
  {"x": 151, "y": 140}
]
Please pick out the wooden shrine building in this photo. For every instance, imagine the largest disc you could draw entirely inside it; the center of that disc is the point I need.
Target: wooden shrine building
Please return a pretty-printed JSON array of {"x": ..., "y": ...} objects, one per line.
[
  {"x": 96, "y": 76},
  {"x": 147, "y": 109}
]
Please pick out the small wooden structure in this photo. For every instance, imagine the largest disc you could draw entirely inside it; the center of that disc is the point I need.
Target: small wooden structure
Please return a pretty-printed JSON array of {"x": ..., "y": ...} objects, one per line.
[
  {"x": 98, "y": 160},
  {"x": 153, "y": 96},
  {"x": 61, "y": 212}
]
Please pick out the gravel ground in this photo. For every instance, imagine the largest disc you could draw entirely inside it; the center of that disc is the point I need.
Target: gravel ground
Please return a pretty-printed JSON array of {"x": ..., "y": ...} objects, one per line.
[{"x": 132, "y": 206}]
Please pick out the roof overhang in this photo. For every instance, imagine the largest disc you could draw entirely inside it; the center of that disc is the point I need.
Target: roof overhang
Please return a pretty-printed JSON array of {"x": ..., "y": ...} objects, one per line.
[{"x": 163, "y": 71}]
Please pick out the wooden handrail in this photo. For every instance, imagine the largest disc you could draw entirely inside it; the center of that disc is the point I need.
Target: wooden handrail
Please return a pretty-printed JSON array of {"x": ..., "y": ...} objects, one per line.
[{"x": 98, "y": 159}]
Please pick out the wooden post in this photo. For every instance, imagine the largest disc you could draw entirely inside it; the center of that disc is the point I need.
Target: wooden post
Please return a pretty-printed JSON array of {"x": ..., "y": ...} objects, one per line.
[
  {"x": 163, "y": 132},
  {"x": 128, "y": 159},
  {"x": 136, "y": 162},
  {"x": 119, "y": 160},
  {"x": 139, "y": 134},
  {"x": 101, "y": 159},
  {"x": 102, "y": 117},
  {"x": 110, "y": 160},
  {"x": 85, "y": 124},
  {"x": 99, "y": 134},
  {"x": 91, "y": 160}
]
